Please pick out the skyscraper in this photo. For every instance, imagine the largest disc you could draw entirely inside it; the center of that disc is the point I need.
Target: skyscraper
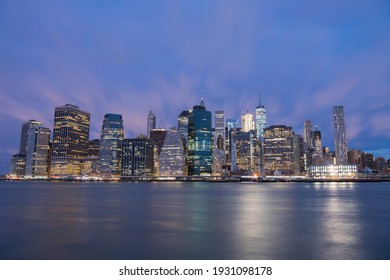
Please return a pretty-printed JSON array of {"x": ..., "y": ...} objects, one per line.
[
  {"x": 151, "y": 124},
  {"x": 24, "y": 135},
  {"x": 307, "y": 134},
  {"x": 110, "y": 148},
  {"x": 182, "y": 126},
  {"x": 340, "y": 136},
  {"x": 247, "y": 122},
  {"x": 199, "y": 153},
  {"x": 219, "y": 129},
  {"x": 37, "y": 156},
  {"x": 261, "y": 120},
  {"x": 70, "y": 140},
  {"x": 317, "y": 144},
  {"x": 137, "y": 157},
  {"x": 231, "y": 124},
  {"x": 172, "y": 155},
  {"x": 278, "y": 150}
]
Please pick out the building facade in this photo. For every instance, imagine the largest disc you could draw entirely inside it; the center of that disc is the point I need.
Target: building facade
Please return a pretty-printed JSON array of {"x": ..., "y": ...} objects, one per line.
[
  {"x": 137, "y": 157},
  {"x": 18, "y": 165},
  {"x": 340, "y": 136},
  {"x": 308, "y": 134},
  {"x": 247, "y": 123},
  {"x": 151, "y": 123},
  {"x": 199, "y": 152},
  {"x": 172, "y": 155},
  {"x": 70, "y": 140},
  {"x": 110, "y": 147},
  {"x": 278, "y": 150},
  {"x": 37, "y": 156},
  {"x": 261, "y": 120},
  {"x": 24, "y": 135}
]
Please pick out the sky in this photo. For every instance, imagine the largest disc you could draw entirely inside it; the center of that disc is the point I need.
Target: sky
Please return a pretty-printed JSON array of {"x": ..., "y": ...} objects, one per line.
[{"x": 129, "y": 57}]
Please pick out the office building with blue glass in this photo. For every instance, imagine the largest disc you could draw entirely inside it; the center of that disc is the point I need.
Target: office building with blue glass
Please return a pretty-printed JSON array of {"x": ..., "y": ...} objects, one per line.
[{"x": 199, "y": 152}]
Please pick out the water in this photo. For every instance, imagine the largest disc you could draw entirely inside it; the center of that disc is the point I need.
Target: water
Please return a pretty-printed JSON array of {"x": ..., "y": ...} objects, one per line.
[{"x": 145, "y": 220}]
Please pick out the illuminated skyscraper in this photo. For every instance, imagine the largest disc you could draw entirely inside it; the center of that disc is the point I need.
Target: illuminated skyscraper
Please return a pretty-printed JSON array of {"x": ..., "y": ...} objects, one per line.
[
  {"x": 247, "y": 122},
  {"x": 199, "y": 153},
  {"x": 182, "y": 126},
  {"x": 70, "y": 140},
  {"x": 172, "y": 155},
  {"x": 37, "y": 156},
  {"x": 261, "y": 120},
  {"x": 340, "y": 136},
  {"x": 151, "y": 124},
  {"x": 278, "y": 150},
  {"x": 307, "y": 134},
  {"x": 110, "y": 148},
  {"x": 219, "y": 154}
]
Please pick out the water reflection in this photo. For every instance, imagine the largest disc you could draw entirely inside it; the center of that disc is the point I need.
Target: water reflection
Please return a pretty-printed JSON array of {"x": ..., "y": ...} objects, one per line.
[{"x": 193, "y": 221}]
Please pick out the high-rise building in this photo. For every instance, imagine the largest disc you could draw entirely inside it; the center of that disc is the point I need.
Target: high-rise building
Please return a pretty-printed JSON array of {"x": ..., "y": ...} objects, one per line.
[
  {"x": 182, "y": 127},
  {"x": 355, "y": 158},
  {"x": 307, "y": 134},
  {"x": 278, "y": 150},
  {"x": 298, "y": 154},
  {"x": 157, "y": 136},
  {"x": 151, "y": 124},
  {"x": 231, "y": 124},
  {"x": 219, "y": 129},
  {"x": 247, "y": 122},
  {"x": 242, "y": 149},
  {"x": 261, "y": 119},
  {"x": 24, "y": 135},
  {"x": 70, "y": 140},
  {"x": 199, "y": 152},
  {"x": 340, "y": 136},
  {"x": 137, "y": 157},
  {"x": 219, "y": 154},
  {"x": 37, "y": 156},
  {"x": 18, "y": 165},
  {"x": 94, "y": 147},
  {"x": 317, "y": 144},
  {"x": 110, "y": 148},
  {"x": 172, "y": 155}
]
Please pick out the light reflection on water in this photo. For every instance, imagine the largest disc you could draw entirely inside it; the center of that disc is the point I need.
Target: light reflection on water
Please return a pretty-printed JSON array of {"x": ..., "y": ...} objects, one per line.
[{"x": 144, "y": 220}]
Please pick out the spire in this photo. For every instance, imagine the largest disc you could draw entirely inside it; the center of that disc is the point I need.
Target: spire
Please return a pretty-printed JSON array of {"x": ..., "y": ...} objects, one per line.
[
  {"x": 260, "y": 106},
  {"x": 202, "y": 102},
  {"x": 259, "y": 98}
]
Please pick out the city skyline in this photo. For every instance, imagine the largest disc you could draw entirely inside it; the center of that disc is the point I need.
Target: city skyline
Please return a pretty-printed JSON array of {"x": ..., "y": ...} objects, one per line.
[{"x": 132, "y": 58}]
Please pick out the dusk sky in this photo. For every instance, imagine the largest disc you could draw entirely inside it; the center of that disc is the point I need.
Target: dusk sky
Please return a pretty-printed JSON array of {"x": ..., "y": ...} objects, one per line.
[{"x": 129, "y": 57}]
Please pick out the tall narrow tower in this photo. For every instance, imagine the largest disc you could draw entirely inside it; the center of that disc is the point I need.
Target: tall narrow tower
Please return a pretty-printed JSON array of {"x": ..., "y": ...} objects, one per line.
[
  {"x": 340, "y": 135},
  {"x": 307, "y": 134},
  {"x": 261, "y": 119},
  {"x": 219, "y": 129},
  {"x": 151, "y": 124}
]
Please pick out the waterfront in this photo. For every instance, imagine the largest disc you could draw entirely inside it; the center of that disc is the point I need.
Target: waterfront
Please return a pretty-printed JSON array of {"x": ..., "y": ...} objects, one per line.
[{"x": 198, "y": 220}]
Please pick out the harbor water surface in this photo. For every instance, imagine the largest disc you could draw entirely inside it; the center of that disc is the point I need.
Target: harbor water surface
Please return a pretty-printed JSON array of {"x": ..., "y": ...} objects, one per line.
[{"x": 198, "y": 220}]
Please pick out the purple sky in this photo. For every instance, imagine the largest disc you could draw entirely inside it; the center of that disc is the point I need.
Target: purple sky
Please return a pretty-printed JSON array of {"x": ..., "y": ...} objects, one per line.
[{"x": 129, "y": 57}]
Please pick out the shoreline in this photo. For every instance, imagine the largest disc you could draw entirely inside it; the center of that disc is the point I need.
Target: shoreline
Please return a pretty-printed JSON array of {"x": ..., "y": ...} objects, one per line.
[{"x": 206, "y": 179}]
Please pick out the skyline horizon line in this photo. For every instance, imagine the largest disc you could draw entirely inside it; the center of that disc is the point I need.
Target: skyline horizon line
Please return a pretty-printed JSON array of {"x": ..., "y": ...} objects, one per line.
[{"x": 135, "y": 135}]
